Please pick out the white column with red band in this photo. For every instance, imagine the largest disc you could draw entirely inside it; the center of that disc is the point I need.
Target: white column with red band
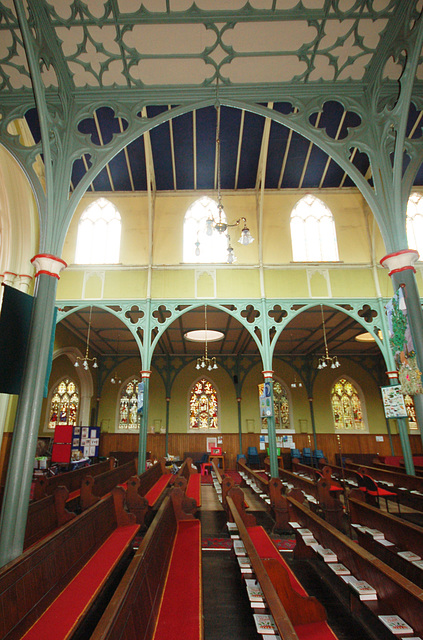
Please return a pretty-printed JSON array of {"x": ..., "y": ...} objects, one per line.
[
  {"x": 48, "y": 264},
  {"x": 400, "y": 261}
]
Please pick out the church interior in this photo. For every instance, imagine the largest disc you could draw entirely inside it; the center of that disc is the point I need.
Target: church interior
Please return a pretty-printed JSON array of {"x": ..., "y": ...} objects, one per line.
[{"x": 211, "y": 326}]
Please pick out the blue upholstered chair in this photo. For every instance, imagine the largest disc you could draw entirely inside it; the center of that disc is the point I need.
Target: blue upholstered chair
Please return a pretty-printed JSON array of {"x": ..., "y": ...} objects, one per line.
[
  {"x": 307, "y": 457},
  {"x": 317, "y": 456},
  {"x": 253, "y": 457},
  {"x": 296, "y": 453}
]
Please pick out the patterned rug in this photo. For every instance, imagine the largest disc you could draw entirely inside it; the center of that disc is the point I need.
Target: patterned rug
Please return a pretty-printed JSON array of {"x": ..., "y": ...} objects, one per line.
[{"x": 226, "y": 543}]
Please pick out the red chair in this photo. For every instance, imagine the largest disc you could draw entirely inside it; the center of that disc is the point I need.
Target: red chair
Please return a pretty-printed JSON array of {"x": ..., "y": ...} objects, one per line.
[{"x": 375, "y": 491}]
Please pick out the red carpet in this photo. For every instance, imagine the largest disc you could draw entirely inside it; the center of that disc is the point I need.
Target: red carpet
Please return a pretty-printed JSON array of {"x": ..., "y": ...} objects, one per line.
[
  {"x": 63, "y": 614},
  {"x": 180, "y": 614}
]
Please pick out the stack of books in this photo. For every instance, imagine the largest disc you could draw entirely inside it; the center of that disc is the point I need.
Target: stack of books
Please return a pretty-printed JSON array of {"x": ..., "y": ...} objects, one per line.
[
  {"x": 339, "y": 569},
  {"x": 327, "y": 554},
  {"x": 265, "y": 624},
  {"x": 245, "y": 565},
  {"x": 396, "y": 625},
  {"x": 255, "y": 594},
  {"x": 409, "y": 555},
  {"x": 376, "y": 534},
  {"x": 362, "y": 588},
  {"x": 307, "y": 536},
  {"x": 239, "y": 548}
]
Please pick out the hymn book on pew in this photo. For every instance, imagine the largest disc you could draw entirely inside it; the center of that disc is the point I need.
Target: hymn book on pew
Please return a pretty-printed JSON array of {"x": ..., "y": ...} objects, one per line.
[
  {"x": 239, "y": 548},
  {"x": 396, "y": 624},
  {"x": 364, "y": 590},
  {"x": 265, "y": 624},
  {"x": 409, "y": 555},
  {"x": 254, "y": 591},
  {"x": 339, "y": 569}
]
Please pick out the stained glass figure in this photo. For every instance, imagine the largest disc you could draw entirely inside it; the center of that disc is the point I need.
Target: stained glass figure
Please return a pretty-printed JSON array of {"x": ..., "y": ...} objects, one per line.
[
  {"x": 128, "y": 403},
  {"x": 64, "y": 404},
  {"x": 411, "y": 412},
  {"x": 203, "y": 406},
  {"x": 346, "y": 406}
]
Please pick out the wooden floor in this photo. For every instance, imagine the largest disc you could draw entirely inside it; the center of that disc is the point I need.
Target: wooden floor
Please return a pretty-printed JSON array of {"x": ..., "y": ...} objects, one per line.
[{"x": 227, "y": 612}]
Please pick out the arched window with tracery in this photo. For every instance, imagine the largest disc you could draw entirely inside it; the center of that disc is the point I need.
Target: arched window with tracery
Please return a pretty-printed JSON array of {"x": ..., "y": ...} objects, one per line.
[
  {"x": 99, "y": 229},
  {"x": 280, "y": 405},
  {"x": 415, "y": 223},
  {"x": 128, "y": 406},
  {"x": 64, "y": 404},
  {"x": 313, "y": 233},
  {"x": 203, "y": 406},
  {"x": 346, "y": 407},
  {"x": 199, "y": 246}
]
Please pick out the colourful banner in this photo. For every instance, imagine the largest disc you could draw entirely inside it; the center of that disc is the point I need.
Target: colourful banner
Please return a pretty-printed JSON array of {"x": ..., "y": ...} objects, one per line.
[{"x": 402, "y": 345}]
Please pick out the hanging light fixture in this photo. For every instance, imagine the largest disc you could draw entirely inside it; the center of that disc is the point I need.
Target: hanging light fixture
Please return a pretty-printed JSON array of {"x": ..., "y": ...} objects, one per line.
[
  {"x": 327, "y": 360},
  {"x": 220, "y": 225},
  {"x": 86, "y": 360},
  {"x": 205, "y": 362},
  {"x": 115, "y": 378},
  {"x": 296, "y": 384}
]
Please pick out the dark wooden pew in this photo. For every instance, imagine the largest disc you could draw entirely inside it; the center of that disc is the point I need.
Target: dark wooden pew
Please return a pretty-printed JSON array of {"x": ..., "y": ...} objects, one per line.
[
  {"x": 93, "y": 488},
  {"x": 141, "y": 605},
  {"x": 50, "y": 589},
  {"x": 192, "y": 486},
  {"x": 46, "y": 486},
  {"x": 296, "y": 615},
  {"x": 323, "y": 494},
  {"x": 396, "y": 594},
  {"x": 404, "y": 536},
  {"x": 48, "y": 514},
  {"x": 273, "y": 494},
  {"x": 145, "y": 492},
  {"x": 408, "y": 489}
]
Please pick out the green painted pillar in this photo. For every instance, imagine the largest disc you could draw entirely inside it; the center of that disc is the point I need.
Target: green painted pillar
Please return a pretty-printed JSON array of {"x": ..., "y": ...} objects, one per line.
[
  {"x": 167, "y": 427},
  {"x": 401, "y": 270},
  {"x": 142, "y": 440},
  {"x": 25, "y": 433},
  {"x": 418, "y": 405},
  {"x": 239, "y": 425},
  {"x": 271, "y": 430},
  {"x": 313, "y": 424}
]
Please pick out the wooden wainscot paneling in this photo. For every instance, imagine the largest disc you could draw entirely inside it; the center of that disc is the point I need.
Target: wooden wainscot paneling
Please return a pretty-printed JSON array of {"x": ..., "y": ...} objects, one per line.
[{"x": 180, "y": 443}]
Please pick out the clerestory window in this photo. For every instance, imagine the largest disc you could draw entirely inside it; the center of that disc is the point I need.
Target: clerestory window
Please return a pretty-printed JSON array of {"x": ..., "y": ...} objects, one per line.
[
  {"x": 99, "y": 230},
  {"x": 313, "y": 233}
]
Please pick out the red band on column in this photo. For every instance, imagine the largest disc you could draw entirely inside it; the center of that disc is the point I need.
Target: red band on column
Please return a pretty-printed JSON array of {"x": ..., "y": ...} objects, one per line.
[
  {"x": 48, "y": 264},
  {"x": 400, "y": 261}
]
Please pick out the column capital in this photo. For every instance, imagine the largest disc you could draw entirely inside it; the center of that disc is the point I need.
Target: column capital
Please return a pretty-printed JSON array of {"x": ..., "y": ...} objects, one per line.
[
  {"x": 400, "y": 261},
  {"x": 145, "y": 374},
  {"x": 268, "y": 374},
  {"x": 392, "y": 375},
  {"x": 239, "y": 399},
  {"x": 48, "y": 264}
]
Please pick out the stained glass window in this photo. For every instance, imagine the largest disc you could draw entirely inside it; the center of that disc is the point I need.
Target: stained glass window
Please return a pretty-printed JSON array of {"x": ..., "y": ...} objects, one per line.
[
  {"x": 203, "y": 406},
  {"x": 99, "y": 228},
  {"x": 411, "y": 412},
  {"x": 281, "y": 406},
  {"x": 198, "y": 245},
  {"x": 64, "y": 404},
  {"x": 346, "y": 406},
  {"x": 313, "y": 233},
  {"x": 128, "y": 405},
  {"x": 415, "y": 223}
]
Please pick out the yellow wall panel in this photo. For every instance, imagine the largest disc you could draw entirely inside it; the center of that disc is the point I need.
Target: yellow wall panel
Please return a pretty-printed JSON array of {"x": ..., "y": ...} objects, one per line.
[
  {"x": 125, "y": 284},
  {"x": 70, "y": 284},
  {"x": 242, "y": 283},
  {"x": 354, "y": 283},
  {"x": 173, "y": 283},
  {"x": 285, "y": 283}
]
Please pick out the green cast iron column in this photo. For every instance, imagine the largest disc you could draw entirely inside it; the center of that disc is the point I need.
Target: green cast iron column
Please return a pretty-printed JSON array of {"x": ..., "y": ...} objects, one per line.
[
  {"x": 313, "y": 424},
  {"x": 271, "y": 430},
  {"x": 25, "y": 433},
  {"x": 167, "y": 427},
  {"x": 239, "y": 425},
  {"x": 401, "y": 270},
  {"x": 142, "y": 440}
]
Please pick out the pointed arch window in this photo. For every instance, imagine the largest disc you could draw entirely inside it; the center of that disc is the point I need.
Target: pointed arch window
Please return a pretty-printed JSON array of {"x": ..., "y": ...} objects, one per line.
[
  {"x": 281, "y": 406},
  {"x": 128, "y": 406},
  {"x": 99, "y": 230},
  {"x": 313, "y": 233},
  {"x": 415, "y": 223},
  {"x": 64, "y": 404},
  {"x": 198, "y": 246},
  {"x": 346, "y": 407},
  {"x": 203, "y": 407}
]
